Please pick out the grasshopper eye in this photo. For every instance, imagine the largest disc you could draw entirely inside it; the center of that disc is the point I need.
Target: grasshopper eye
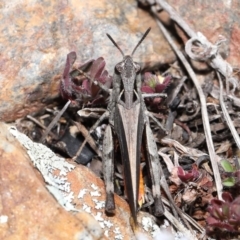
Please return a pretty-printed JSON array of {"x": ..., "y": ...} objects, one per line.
[
  {"x": 119, "y": 67},
  {"x": 137, "y": 67}
]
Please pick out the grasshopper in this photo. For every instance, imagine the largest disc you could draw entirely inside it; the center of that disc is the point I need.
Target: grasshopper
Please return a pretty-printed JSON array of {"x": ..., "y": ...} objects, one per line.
[{"x": 129, "y": 121}]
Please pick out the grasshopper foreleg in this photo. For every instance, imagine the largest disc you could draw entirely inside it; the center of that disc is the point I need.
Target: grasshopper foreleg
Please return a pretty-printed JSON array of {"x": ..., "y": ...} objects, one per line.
[{"x": 108, "y": 169}]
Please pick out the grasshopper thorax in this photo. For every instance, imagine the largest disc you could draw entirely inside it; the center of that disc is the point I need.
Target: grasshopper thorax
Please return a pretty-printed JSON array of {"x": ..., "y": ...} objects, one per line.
[{"x": 128, "y": 69}]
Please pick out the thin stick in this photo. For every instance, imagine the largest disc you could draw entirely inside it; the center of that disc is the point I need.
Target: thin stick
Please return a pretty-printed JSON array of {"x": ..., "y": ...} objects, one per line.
[
  {"x": 40, "y": 124},
  {"x": 226, "y": 115},
  {"x": 54, "y": 121},
  {"x": 153, "y": 95},
  {"x": 88, "y": 138}
]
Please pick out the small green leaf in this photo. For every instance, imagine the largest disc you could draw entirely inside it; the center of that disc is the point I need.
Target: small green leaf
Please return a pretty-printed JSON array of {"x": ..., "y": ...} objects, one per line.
[
  {"x": 229, "y": 182},
  {"x": 227, "y": 166}
]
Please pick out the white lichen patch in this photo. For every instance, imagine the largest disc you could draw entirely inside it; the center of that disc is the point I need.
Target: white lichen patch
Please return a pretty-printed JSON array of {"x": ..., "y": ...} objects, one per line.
[
  {"x": 82, "y": 193},
  {"x": 94, "y": 187},
  {"x": 46, "y": 162},
  {"x": 99, "y": 204},
  {"x": 106, "y": 233},
  {"x": 102, "y": 225},
  {"x": 3, "y": 219},
  {"x": 149, "y": 226},
  {"x": 116, "y": 230},
  {"x": 63, "y": 199},
  {"x": 108, "y": 223},
  {"x": 98, "y": 217},
  {"x": 86, "y": 208},
  {"x": 118, "y": 237},
  {"x": 95, "y": 194}
]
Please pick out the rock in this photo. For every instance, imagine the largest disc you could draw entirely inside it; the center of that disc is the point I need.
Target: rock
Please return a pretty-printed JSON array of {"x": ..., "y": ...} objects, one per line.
[
  {"x": 29, "y": 211},
  {"x": 36, "y": 37},
  {"x": 214, "y": 18}
]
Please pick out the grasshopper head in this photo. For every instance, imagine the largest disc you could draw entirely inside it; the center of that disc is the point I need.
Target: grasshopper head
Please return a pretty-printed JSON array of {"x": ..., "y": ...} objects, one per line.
[{"x": 127, "y": 65}]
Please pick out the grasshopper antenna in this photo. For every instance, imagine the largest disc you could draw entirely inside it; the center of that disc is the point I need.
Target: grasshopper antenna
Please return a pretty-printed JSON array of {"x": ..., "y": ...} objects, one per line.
[
  {"x": 144, "y": 35},
  {"x": 115, "y": 44}
]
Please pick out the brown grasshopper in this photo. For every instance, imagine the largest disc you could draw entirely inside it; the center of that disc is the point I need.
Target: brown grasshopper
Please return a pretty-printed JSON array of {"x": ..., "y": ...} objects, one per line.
[{"x": 129, "y": 120}]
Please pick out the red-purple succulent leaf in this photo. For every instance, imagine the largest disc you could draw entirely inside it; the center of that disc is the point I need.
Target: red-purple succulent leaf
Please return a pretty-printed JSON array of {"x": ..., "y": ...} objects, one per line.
[
  {"x": 70, "y": 86},
  {"x": 226, "y": 210},
  {"x": 180, "y": 171},
  {"x": 104, "y": 77},
  {"x": 237, "y": 174},
  {"x": 235, "y": 208},
  {"x": 234, "y": 222},
  {"x": 66, "y": 90},
  {"x": 216, "y": 202},
  {"x": 186, "y": 176},
  {"x": 147, "y": 89},
  {"x": 223, "y": 226},
  {"x": 167, "y": 80},
  {"x": 150, "y": 80},
  {"x": 211, "y": 220},
  {"x": 66, "y": 82},
  {"x": 86, "y": 85},
  {"x": 159, "y": 88},
  {"x": 147, "y": 76},
  {"x": 227, "y": 227},
  {"x": 97, "y": 68},
  {"x": 217, "y": 213},
  {"x": 227, "y": 197},
  {"x": 195, "y": 172}
]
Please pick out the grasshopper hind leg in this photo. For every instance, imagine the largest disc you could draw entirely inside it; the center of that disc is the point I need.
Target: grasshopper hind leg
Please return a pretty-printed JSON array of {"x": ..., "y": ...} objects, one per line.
[
  {"x": 108, "y": 169},
  {"x": 154, "y": 170}
]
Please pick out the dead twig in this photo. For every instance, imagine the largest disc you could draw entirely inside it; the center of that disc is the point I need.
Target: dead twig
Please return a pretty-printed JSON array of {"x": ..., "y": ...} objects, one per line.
[
  {"x": 226, "y": 115},
  {"x": 205, "y": 118},
  {"x": 54, "y": 121},
  {"x": 88, "y": 139},
  {"x": 40, "y": 124}
]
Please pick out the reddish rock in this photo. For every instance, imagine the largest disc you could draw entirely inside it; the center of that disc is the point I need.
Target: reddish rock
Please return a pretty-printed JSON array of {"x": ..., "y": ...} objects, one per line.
[
  {"x": 37, "y": 35},
  {"x": 214, "y": 18},
  {"x": 29, "y": 211}
]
